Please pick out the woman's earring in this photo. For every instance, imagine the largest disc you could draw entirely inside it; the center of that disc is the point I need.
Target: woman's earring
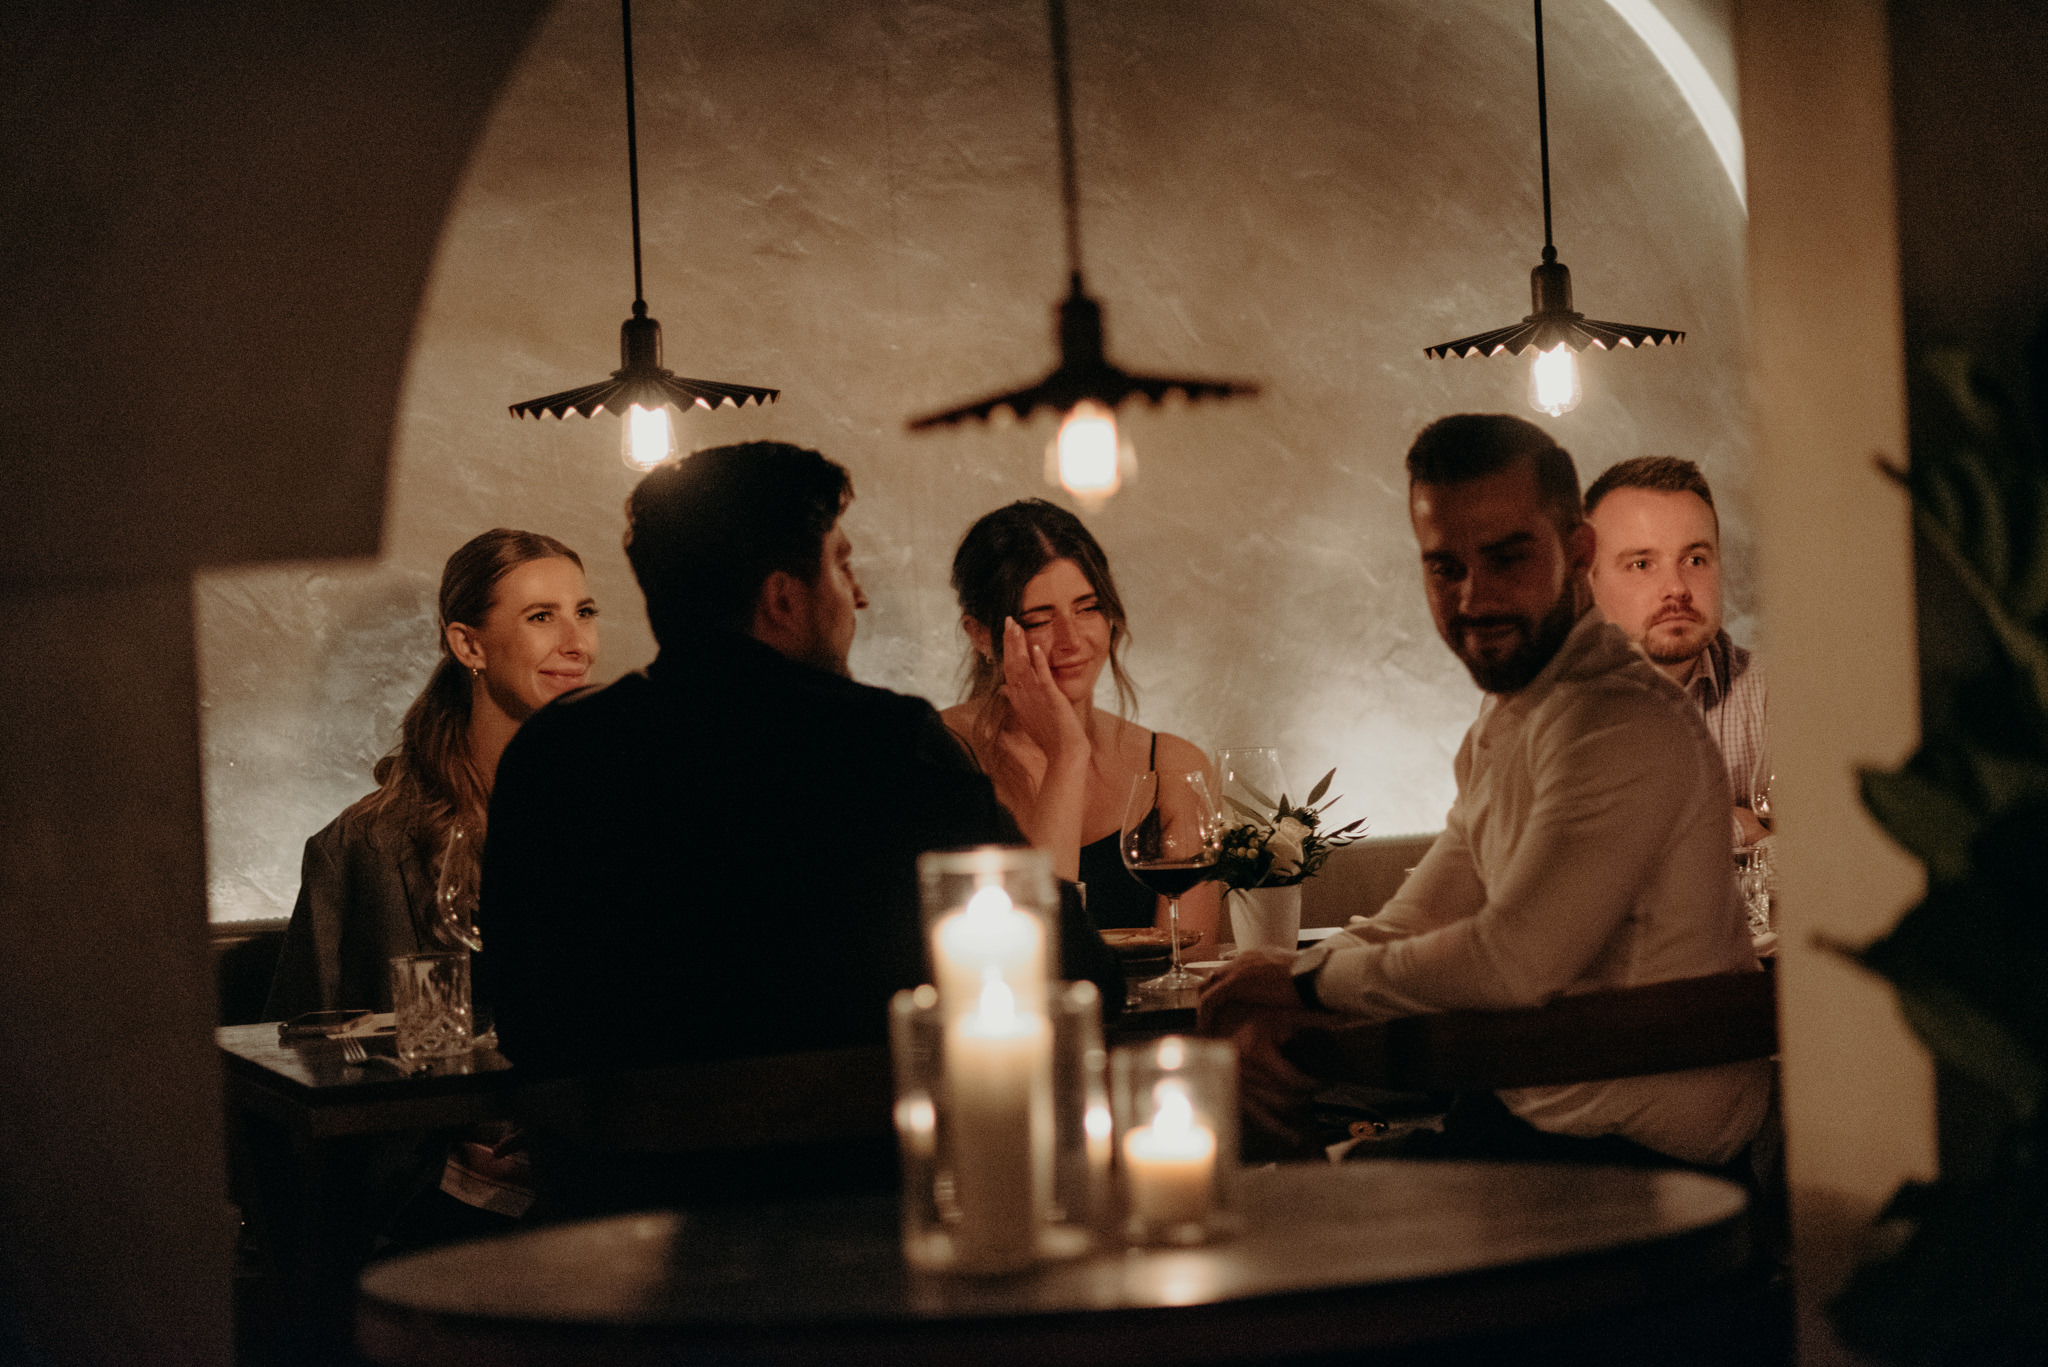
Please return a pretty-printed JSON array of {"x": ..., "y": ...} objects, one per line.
[{"x": 475, "y": 672}]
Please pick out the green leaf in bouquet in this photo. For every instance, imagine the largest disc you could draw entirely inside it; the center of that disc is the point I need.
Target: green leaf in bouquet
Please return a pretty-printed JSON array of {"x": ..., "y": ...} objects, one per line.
[
  {"x": 1257, "y": 796},
  {"x": 1251, "y": 814},
  {"x": 1316, "y": 793}
]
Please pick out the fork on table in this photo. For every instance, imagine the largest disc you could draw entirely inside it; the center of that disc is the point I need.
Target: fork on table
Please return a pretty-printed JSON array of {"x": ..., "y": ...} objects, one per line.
[{"x": 354, "y": 1054}]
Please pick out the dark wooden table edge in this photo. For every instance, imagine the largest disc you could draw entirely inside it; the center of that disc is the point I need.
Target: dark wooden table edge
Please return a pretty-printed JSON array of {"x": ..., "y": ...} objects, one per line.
[
  {"x": 367, "y": 1107},
  {"x": 1388, "y": 1315}
]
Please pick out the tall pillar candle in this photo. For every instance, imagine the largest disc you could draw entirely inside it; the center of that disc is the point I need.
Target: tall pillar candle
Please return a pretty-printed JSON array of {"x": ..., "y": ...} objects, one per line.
[
  {"x": 999, "y": 1081},
  {"x": 989, "y": 935}
]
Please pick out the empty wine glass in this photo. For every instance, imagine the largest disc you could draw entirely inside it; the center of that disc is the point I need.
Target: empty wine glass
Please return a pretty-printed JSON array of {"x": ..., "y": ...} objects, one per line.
[
  {"x": 1760, "y": 779},
  {"x": 455, "y": 893},
  {"x": 1172, "y": 835},
  {"x": 1760, "y": 774},
  {"x": 1253, "y": 781},
  {"x": 1758, "y": 881}
]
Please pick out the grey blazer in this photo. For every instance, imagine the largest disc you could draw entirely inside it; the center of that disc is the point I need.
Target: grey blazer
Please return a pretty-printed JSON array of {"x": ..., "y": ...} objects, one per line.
[{"x": 364, "y": 894}]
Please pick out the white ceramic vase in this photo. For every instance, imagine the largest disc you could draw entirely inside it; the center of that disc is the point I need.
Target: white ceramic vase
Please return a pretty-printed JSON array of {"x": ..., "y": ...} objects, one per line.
[{"x": 1265, "y": 918}]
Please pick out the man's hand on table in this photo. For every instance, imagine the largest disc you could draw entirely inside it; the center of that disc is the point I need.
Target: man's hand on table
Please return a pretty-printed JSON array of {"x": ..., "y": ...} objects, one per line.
[{"x": 1253, "y": 1003}]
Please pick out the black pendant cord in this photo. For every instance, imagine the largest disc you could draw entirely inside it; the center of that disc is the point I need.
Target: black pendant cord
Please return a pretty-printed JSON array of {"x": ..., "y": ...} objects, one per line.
[
  {"x": 1542, "y": 135},
  {"x": 633, "y": 158},
  {"x": 1063, "y": 90}
]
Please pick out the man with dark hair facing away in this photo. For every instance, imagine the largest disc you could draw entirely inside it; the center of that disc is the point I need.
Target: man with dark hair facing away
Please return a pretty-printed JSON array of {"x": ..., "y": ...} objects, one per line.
[
  {"x": 1586, "y": 849},
  {"x": 715, "y": 857},
  {"x": 1657, "y": 576}
]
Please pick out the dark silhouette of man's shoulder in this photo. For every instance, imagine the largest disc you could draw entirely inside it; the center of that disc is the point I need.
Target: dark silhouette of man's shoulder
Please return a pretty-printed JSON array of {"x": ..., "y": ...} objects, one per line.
[{"x": 727, "y": 696}]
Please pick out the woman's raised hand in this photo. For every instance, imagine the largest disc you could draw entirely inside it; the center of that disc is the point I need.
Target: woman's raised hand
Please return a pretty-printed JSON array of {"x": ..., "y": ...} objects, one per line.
[
  {"x": 1042, "y": 711},
  {"x": 1050, "y": 722}
]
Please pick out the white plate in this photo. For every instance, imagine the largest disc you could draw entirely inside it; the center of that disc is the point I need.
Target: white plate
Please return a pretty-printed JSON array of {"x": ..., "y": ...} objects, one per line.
[{"x": 1319, "y": 932}]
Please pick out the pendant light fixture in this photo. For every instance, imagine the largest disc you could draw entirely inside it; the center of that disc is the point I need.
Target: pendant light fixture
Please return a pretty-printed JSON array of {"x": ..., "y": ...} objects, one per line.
[
  {"x": 1087, "y": 457},
  {"x": 640, "y": 391},
  {"x": 1554, "y": 331}
]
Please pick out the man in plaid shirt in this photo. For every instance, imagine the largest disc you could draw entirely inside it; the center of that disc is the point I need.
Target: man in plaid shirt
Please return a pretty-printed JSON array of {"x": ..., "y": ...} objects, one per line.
[{"x": 1657, "y": 576}]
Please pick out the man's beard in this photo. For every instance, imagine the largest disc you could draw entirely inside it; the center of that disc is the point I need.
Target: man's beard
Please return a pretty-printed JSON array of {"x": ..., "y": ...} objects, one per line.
[
  {"x": 1676, "y": 651},
  {"x": 1541, "y": 640}
]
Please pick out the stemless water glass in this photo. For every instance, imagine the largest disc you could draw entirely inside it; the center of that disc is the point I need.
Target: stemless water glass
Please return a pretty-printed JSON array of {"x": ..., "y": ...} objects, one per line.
[
  {"x": 1172, "y": 835},
  {"x": 430, "y": 1004}
]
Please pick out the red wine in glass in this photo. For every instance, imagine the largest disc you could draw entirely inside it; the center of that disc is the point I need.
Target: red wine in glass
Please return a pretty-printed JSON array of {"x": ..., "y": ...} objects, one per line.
[
  {"x": 1173, "y": 878},
  {"x": 1171, "y": 837}
]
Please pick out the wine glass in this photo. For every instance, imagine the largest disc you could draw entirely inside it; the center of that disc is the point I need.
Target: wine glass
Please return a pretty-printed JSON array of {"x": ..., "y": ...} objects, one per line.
[
  {"x": 1172, "y": 835},
  {"x": 1253, "y": 781},
  {"x": 455, "y": 893},
  {"x": 1760, "y": 779}
]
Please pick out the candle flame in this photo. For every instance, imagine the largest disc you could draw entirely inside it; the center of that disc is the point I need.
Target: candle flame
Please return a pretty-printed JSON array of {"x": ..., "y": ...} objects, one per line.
[
  {"x": 990, "y": 900},
  {"x": 1173, "y": 1113},
  {"x": 998, "y": 1009}
]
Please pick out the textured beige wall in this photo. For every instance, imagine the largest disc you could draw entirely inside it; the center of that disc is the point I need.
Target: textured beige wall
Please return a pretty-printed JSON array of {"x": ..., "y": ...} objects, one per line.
[{"x": 859, "y": 204}]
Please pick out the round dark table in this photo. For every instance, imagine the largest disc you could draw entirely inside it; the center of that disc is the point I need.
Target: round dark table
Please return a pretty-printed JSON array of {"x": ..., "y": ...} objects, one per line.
[{"x": 1361, "y": 1256}]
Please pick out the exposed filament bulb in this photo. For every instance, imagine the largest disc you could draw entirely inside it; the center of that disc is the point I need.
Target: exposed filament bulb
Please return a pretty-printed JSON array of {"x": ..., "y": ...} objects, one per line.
[
  {"x": 646, "y": 437},
  {"x": 1087, "y": 458},
  {"x": 1554, "y": 381}
]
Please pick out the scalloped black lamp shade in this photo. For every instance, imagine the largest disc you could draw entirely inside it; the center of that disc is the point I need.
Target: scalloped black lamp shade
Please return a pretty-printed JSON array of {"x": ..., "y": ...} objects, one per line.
[
  {"x": 1552, "y": 321},
  {"x": 1084, "y": 372},
  {"x": 640, "y": 379}
]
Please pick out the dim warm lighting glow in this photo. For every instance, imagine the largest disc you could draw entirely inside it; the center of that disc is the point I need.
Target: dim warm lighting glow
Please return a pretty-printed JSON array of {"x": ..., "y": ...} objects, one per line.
[
  {"x": 646, "y": 439},
  {"x": 1087, "y": 459},
  {"x": 1554, "y": 381},
  {"x": 917, "y": 1123},
  {"x": 1097, "y": 1122}
]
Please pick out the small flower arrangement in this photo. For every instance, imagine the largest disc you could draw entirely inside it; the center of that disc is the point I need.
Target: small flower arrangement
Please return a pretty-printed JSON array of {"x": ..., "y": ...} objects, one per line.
[{"x": 1279, "y": 844}]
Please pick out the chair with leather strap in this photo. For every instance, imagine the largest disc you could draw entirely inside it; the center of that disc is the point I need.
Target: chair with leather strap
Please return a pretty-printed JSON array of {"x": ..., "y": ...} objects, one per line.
[{"x": 1624, "y": 1032}]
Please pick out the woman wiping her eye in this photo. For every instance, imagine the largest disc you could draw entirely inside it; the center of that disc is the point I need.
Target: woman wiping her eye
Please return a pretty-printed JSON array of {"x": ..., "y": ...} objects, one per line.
[{"x": 1042, "y": 613}]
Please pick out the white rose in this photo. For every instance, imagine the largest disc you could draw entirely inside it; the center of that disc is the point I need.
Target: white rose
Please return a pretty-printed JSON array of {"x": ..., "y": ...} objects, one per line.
[{"x": 1284, "y": 844}]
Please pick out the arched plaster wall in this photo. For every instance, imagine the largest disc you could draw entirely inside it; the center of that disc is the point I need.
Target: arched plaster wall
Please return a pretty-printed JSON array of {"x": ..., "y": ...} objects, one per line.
[{"x": 859, "y": 204}]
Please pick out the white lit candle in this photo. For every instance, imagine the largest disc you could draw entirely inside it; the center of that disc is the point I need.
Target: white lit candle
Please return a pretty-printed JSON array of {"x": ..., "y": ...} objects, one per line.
[
  {"x": 1170, "y": 1164},
  {"x": 999, "y": 1076},
  {"x": 989, "y": 935}
]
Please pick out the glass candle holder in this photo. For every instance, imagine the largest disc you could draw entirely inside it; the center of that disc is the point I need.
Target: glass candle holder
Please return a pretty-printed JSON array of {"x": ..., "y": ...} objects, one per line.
[
  {"x": 1004, "y": 1130},
  {"x": 991, "y": 918},
  {"x": 1176, "y": 1139}
]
